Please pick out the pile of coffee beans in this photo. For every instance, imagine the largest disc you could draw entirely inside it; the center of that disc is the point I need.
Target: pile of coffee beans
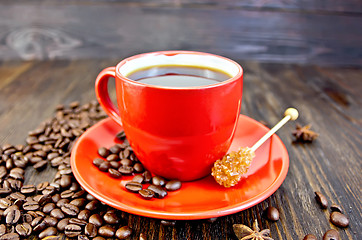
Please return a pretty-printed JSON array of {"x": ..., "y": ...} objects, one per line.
[
  {"x": 119, "y": 160},
  {"x": 60, "y": 208}
]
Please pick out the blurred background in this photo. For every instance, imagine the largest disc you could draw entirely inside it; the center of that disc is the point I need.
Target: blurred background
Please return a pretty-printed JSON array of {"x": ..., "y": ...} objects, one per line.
[{"x": 323, "y": 32}]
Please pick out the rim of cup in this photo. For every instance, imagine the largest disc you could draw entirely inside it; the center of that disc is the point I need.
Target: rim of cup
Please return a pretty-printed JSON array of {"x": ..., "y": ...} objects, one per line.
[{"x": 179, "y": 58}]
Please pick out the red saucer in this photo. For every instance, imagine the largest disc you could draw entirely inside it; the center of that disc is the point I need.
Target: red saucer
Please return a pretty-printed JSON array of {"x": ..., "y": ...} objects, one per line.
[{"x": 199, "y": 199}]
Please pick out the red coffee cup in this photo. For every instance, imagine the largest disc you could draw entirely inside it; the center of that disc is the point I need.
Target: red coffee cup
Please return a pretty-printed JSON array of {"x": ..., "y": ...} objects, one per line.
[{"x": 177, "y": 133}]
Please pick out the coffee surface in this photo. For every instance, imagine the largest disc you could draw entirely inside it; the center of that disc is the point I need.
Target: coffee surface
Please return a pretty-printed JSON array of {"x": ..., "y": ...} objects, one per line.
[{"x": 178, "y": 76}]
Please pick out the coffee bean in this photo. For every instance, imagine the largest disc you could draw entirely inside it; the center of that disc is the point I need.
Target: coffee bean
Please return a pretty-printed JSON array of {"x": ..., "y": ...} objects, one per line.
[
  {"x": 114, "y": 164},
  {"x": 97, "y": 162},
  {"x": 90, "y": 230},
  {"x": 126, "y": 162},
  {"x": 104, "y": 166},
  {"x": 111, "y": 218},
  {"x": 61, "y": 202},
  {"x": 65, "y": 171},
  {"x": 24, "y": 229},
  {"x": 84, "y": 214},
  {"x": 123, "y": 232},
  {"x": 106, "y": 231},
  {"x": 57, "y": 161},
  {"x": 79, "y": 202},
  {"x": 40, "y": 165},
  {"x": 310, "y": 237},
  {"x": 79, "y": 194},
  {"x": 41, "y": 214},
  {"x": 138, "y": 167},
  {"x": 36, "y": 220},
  {"x": 66, "y": 194},
  {"x": 168, "y": 223},
  {"x": 65, "y": 181},
  {"x": 13, "y": 216},
  {"x": 159, "y": 191},
  {"x": 34, "y": 160},
  {"x": 331, "y": 234},
  {"x": 50, "y": 221},
  {"x": 70, "y": 209},
  {"x": 28, "y": 189},
  {"x": 96, "y": 219},
  {"x": 147, "y": 176},
  {"x": 115, "y": 149},
  {"x": 339, "y": 219},
  {"x": 92, "y": 205},
  {"x": 62, "y": 224},
  {"x": 49, "y": 190},
  {"x": 146, "y": 193},
  {"x": 272, "y": 214},
  {"x": 138, "y": 178},
  {"x": 336, "y": 208},
  {"x": 158, "y": 181},
  {"x": 112, "y": 157},
  {"x": 41, "y": 186},
  {"x": 43, "y": 199},
  {"x": 133, "y": 186},
  {"x": 39, "y": 227},
  {"x": 52, "y": 155},
  {"x": 48, "y": 207},
  {"x": 57, "y": 213},
  {"x": 10, "y": 236},
  {"x": 16, "y": 175},
  {"x": 126, "y": 170},
  {"x": 72, "y": 230},
  {"x": 31, "y": 206},
  {"x": 114, "y": 173},
  {"x": 173, "y": 185},
  {"x": 77, "y": 221},
  {"x": 48, "y": 232},
  {"x": 90, "y": 197},
  {"x": 103, "y": 152},
  {"x": 74, "y": 187},
  {"x": 124, "y": 154},
  {"x": 17, "y": 195},
  {"x": 9, "y": 209},
  {"x": 321, "y": 199}
]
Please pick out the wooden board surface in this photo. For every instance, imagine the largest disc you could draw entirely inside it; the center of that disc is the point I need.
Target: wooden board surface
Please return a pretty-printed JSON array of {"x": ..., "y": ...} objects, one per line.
[
  {"x": 327, "y": 97},
  {"x": 320, "y": 32}
]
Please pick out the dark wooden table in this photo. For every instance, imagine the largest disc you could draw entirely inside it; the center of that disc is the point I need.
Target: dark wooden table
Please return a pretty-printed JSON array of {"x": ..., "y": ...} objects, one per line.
[
  {"x": 327, "y": 97},
  {"x": 51, "y": 54}
]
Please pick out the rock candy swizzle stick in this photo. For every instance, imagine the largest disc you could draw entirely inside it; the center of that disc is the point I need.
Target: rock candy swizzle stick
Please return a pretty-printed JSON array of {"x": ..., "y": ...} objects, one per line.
[{"x": 228, "y": 170}]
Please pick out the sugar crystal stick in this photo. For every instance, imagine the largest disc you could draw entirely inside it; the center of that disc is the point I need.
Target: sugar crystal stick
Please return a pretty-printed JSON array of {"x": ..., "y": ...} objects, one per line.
[{"x": 229, "y": 170}]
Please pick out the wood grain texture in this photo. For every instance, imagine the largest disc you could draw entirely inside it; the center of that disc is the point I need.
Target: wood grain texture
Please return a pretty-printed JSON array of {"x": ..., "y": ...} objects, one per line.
[
  {"x": 266, "y": 31},
  {"x": 327, "y": 97}
]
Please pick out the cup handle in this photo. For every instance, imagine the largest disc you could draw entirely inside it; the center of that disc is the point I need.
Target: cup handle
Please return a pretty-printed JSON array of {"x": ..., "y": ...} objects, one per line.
[{"x": 104, "y": 100}]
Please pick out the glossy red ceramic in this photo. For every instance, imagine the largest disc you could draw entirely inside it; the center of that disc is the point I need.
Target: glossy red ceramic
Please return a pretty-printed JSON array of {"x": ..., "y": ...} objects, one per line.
[
  {"x": 199, "y": 199},
  {"x": 176, "y": 133}
]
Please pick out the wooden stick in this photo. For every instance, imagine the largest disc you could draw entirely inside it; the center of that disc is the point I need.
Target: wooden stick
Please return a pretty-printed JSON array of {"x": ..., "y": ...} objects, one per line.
[{"x": 290, "y": 114}]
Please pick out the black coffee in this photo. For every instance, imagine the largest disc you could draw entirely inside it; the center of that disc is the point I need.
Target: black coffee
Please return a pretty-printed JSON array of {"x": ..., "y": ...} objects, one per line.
[{"x": 178, "y": 76}]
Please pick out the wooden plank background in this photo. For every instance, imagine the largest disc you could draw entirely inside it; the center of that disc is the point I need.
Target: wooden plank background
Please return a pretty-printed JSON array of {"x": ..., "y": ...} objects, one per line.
[{"x": 306, "y": 32}]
